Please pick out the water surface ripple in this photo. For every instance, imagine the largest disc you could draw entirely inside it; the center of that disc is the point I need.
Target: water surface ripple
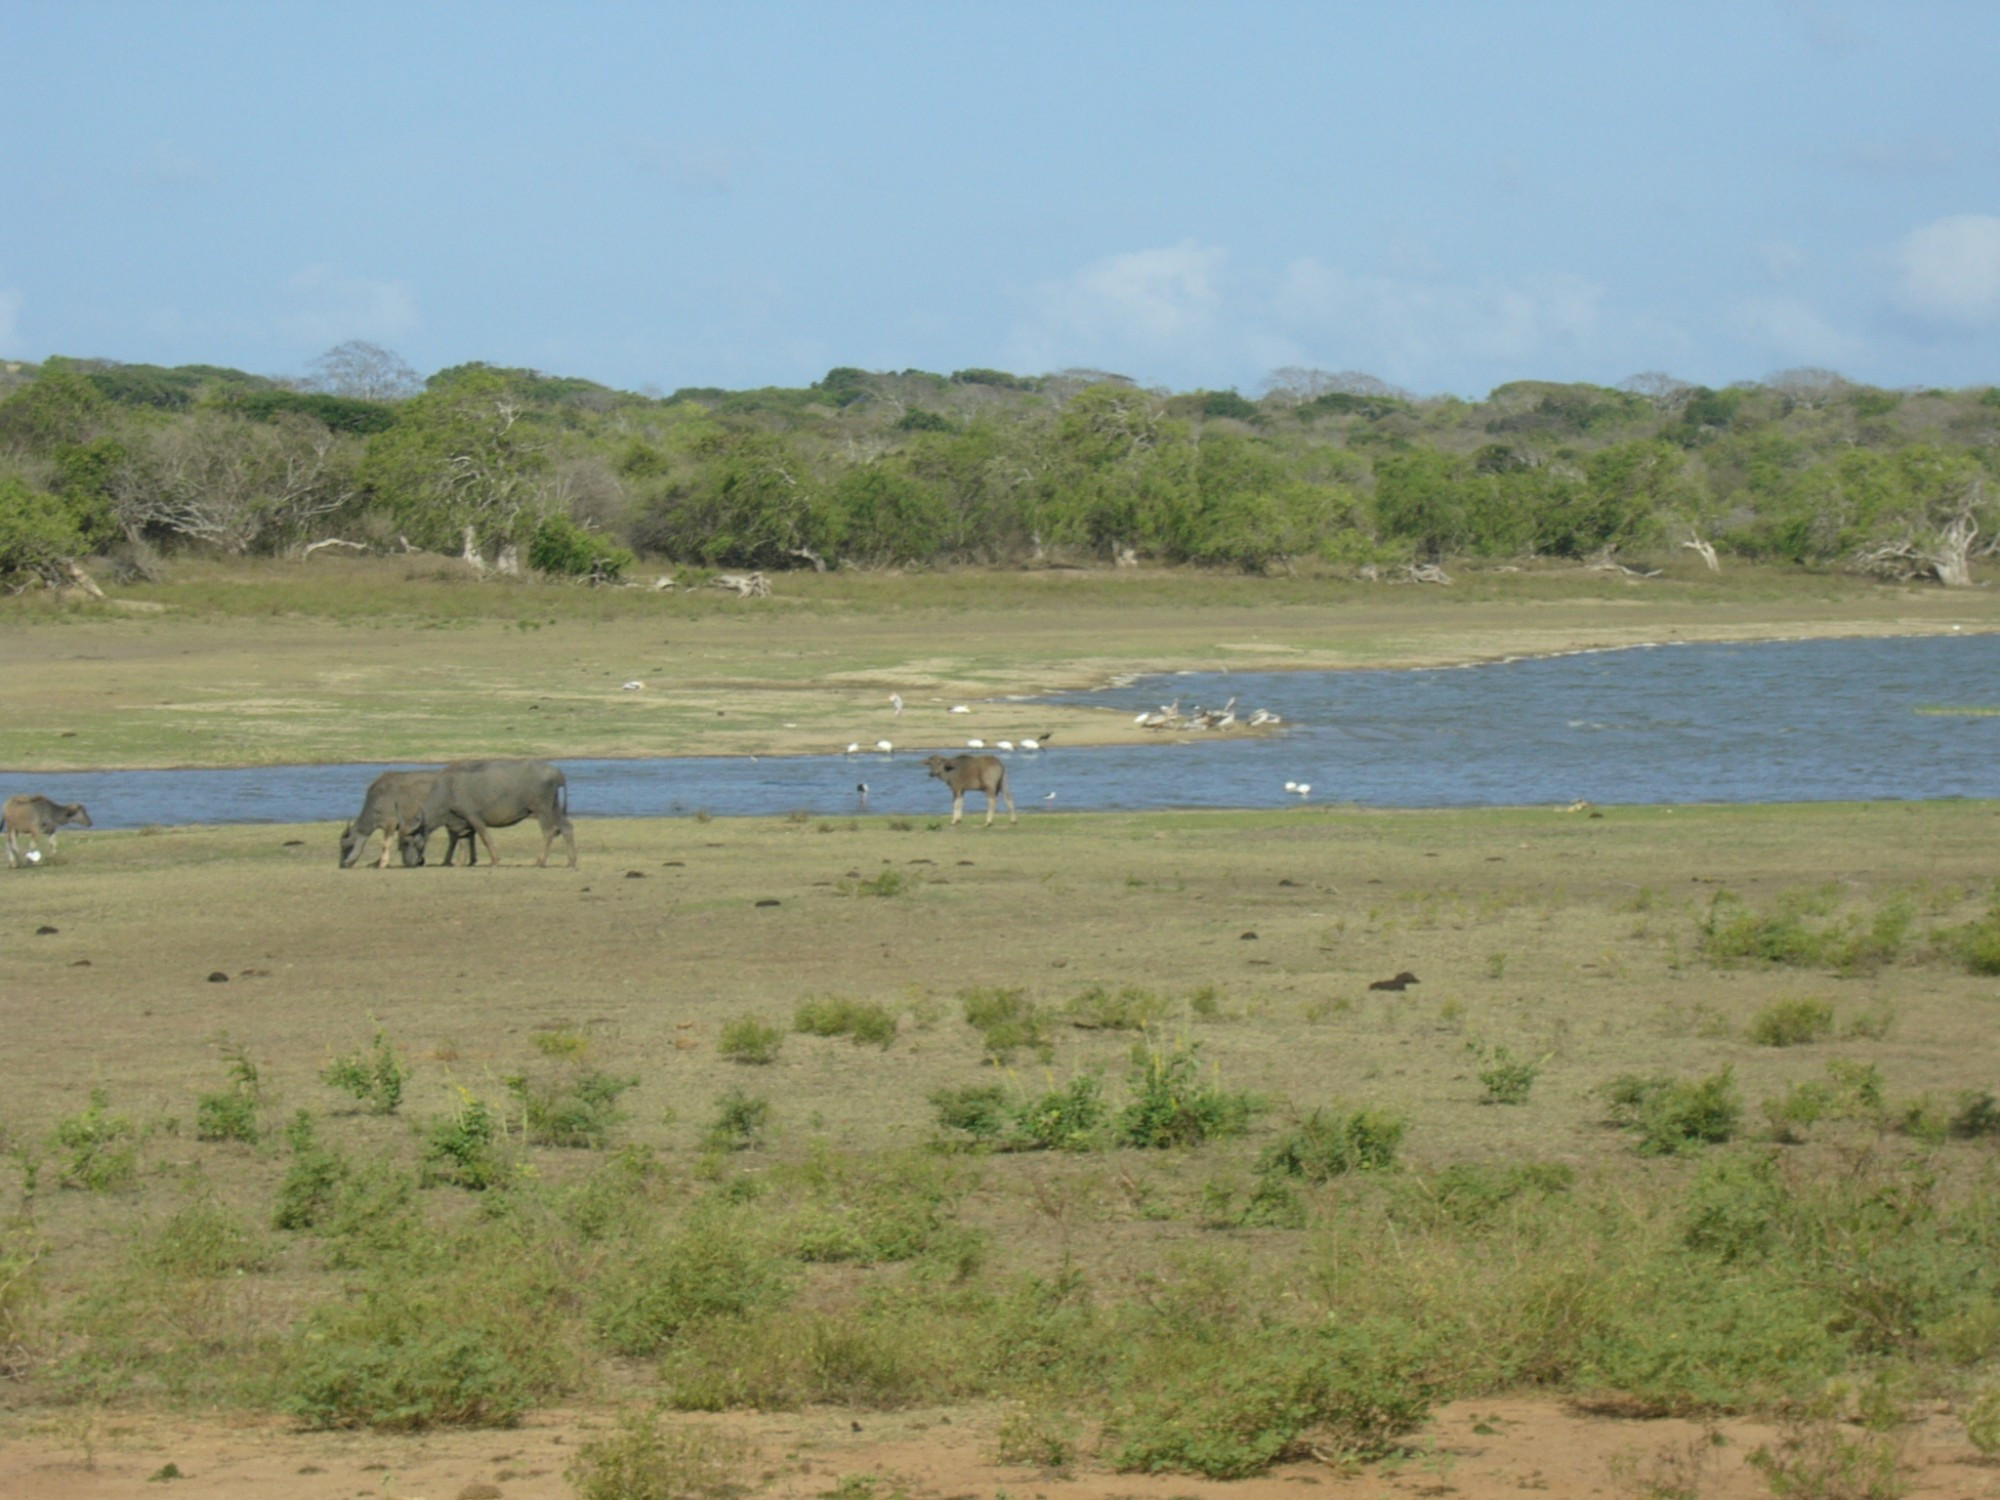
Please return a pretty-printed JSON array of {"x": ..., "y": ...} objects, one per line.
[{"x": 1828, "y": 720}]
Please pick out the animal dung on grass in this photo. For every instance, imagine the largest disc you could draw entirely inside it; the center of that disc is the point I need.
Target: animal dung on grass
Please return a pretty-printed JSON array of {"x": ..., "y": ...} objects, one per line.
[{"x": 1399, "y": 982}]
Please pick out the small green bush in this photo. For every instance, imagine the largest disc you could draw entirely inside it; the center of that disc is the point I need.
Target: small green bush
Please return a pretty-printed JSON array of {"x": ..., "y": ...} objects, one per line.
[
  {"x": 1792, "y": 1023},
  {"x": 375, "y": 1078},
  {"x": 1070, "y": 1118},
  {"x": 1673, "y": 1115},
  {"x": 1506, "y": 1078},
  {"x": 559, "y": 546},
  {"x": 739, "y": 1122},
  {"x": 99, "y": 1148},
  {"x": 577, "y": 1110},
  {"x": 644, "y": 1460},
  {"x": 389, "y": 1364},
  {"x": 1173, "y": 1105},
  {"x": 749, "y": 1040},
  {"x": 463, "y": 1149},
  {"x": 713, "y": 1269},
  {"x": 862, "y": 1020},
  {"x": 312, "y": 1182},
  {"x": 1801, "y": 933},
  {"x": 1816, "y": 1460},
  {"x": 231, "y": 1115},
  {"x": 1009, "y": 1022},
  {"x": 1977, "y": 944},
  {"x": 1230, "y": 1411},
  {"x": 1330, "y": 1143},
  {"x": 1469, "y": 1195}
]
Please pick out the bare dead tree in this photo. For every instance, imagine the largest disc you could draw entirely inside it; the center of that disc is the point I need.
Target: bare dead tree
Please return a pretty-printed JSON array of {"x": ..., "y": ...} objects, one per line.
[
  {"x": 1943, "y": 550},
  {"x": 367, "y": 371}
]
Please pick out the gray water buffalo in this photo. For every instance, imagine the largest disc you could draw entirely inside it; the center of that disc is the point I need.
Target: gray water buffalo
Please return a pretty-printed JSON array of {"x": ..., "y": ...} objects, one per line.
[
  {"x": 37, "y": 818},
  {"x": 973, "y": 773},
  {"x": 485, "y": 794},
  {"x": 390, "y": 808}
]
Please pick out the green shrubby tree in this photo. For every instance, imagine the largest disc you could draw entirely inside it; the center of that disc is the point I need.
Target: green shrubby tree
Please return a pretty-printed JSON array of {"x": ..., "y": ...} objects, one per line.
[
  {"x": 37, "y": 531},
  {"x": 467, "y": 457}
]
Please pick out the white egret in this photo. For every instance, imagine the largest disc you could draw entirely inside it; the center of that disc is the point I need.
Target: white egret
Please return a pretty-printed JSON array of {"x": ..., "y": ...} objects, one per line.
[
  {"x": 884, "y": 746},
  {"x": 975, "y": 744},
  {"x": 896, "y": 702}
]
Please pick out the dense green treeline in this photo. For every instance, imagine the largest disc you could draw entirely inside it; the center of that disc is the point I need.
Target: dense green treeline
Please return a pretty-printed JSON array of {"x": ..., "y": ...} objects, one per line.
[{"x": 866, "y": 469}]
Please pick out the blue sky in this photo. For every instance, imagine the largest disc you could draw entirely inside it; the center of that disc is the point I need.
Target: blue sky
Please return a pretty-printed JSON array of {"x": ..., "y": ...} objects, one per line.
[{"x": 1447, "y": 196}]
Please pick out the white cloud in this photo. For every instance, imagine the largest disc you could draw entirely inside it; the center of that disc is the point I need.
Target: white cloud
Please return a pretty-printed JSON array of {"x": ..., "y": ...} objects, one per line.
[
  {"x": 167, "y": 163},
  {"x": 326, "y": 307},
  {"x": 1143, "y": 304},
  {"x": 1791, "y": 331},
  {"x": 1414, "y": 331},
  {"x": 1950, "y": 270},
  {"x": 709, "y": 165},
  {"x": 1781, "y": 259}
]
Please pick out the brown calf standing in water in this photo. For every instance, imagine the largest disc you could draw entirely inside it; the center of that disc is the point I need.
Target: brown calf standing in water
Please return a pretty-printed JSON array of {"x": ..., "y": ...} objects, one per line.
[{"x": 970, "y": 773}]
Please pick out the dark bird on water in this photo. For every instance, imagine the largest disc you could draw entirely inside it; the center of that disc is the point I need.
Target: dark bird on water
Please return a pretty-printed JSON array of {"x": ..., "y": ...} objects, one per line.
[{"x": 1401, "y": 982}]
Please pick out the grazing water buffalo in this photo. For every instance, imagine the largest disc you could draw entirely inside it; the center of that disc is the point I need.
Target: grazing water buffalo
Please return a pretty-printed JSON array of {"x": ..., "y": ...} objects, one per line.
[
  {"x": 37, "y": 818},
  {"x": 484, "y": 794},
  {"x": 392, "y": 804},
  {"x": 973, "y": 773}
]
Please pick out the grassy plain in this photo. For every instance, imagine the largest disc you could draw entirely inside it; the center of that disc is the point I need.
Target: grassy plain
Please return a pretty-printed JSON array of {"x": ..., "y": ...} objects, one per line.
[
  {"x": 792, "y": 1232},
  {"x": 375, "y": 659}
]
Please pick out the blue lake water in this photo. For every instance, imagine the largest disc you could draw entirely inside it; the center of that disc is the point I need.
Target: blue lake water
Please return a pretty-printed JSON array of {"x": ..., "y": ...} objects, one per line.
[{"x": 1832, "y": 720}]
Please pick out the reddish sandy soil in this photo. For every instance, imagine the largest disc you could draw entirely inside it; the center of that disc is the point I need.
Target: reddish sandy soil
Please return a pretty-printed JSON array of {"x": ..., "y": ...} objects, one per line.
[{"x": 1477, "y": 1450}]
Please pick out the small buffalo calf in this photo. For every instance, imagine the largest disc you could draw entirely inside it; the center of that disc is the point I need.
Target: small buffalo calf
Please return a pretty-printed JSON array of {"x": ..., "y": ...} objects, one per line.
[
  {"x": 968, "y": 773},
  {"x": 36, "y": 818}
]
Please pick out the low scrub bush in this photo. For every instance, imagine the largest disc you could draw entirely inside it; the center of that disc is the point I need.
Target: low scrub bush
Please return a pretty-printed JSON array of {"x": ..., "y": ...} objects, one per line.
[
  {"x": 1792, "y": 1023},
  {"x": 1231, "y": 1410},
  {"x": 100, "y": 1150},
  {"x": 739, "y": 1122},
  {"x": 1819, "y": 1460},
  {"x": 644, "y": 1459},
  {"x": 231, "y": 1114},
  {"x": 1970, "y": 1114},
  {"x": 577, "y": 1109},
  {"x": 1676, "y": 1115},
  {"x": 861, "y": 1020},
  {"x": 1009, "y": 1022},
  {"x": 1849, "y": 1091},
  {"x": 1472, "y": 1195},
  {"x": 1172, "y": 1104},
  {"x": 749, "y": 1040},
  {"x": 1800, "y": 932},
  {"x": 374, "y": 1078},
  {"x": 1330, "y": 1143},
  {"x": 1070, "y": 1118},
  {"x": 465, "y": 1148},
  {"x": 312, "y": 1182},
  {"x": 1977, "y": 944},
  {"x": 1506, "y": 1078},
  {"x": 715, "y": 1268}
]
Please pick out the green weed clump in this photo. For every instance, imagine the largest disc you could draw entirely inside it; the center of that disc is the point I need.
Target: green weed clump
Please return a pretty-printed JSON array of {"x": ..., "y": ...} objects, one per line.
[
  {"x": 715, "y": 1268},
  {"x": 1330, "y": 1143},
  {"x": 577, "y": 1110},
  {"x": 231, "y": 1114},
  {"x": 1977, "y": 944},
  {"x": 1972, "y": 1114},
  {"x": 750, "y": 1040},
  {"x": 1506, "y": 1078},
  {"x": 311, "y": 1184},
  {"x": 1792, "y": 1023},
  {"x": 1172, "y": 1104},
  {"x": 864, "y": 1021},
  {"x": 739, "y": 1122},
  {"x": 1676, "y": 1115},
  {"x": 645, "y": 1460},
  {"x": 1230, "y": 1410},
  {"x": 1071, "y": 1117},
  {"x": 463, "y": 1148},
  {"x": 1803, "y": 933},
  {"x": 374, "y": 1079},
  {"x": 100, "y": 1149},
  {"x": 1849, "y": 1091},
  {"x": 1009, "y": 1022}
]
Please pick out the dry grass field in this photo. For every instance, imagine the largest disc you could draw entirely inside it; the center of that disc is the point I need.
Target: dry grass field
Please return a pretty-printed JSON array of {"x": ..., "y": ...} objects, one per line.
[{"x": 915, "y": 1256}]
